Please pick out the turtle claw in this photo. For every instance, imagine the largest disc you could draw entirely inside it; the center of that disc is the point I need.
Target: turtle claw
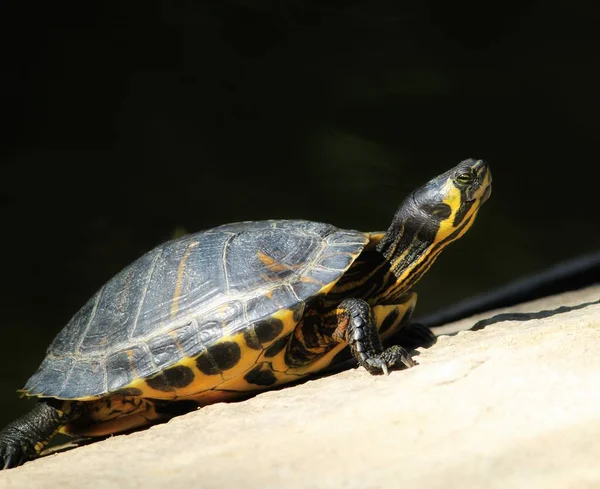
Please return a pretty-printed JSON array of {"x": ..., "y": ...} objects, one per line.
[
  {"x": 11, "y": 461},
  {"x": 407, "y": 361},
  {"x": 11, "y": 456},
  {"x": 23, "y": 439},
  {"x": 392, "y": 357}
]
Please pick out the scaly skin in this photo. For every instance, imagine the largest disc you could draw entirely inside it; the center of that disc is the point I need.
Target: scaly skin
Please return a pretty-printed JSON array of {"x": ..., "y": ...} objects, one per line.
[
  {"x": 25, "y": 438},
  {"x": 358, "y": 328}
]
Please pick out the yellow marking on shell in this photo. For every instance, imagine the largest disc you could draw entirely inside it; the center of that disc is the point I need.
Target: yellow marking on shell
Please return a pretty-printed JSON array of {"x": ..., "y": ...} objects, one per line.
[
  {"x": 239, "y": 384},
  {"x": 215, "y": 395},
  {"x": 242, "y": 387},
  {"x": 289, "y": 324},
  {"x": 286, "y": 316},
  {"x": 180, "y": 272},
  {"x": 202, "y": 382},
  {"x": 277, "y": 361}
]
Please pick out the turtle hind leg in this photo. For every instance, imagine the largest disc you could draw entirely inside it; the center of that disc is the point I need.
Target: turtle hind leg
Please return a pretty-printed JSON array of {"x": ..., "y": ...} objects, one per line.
[
  {"x": 24, "y": 438},
  {"x": 114, "y": 414},
  {"x": 357, "y": 327},
  {"x": 122, "y": 414}
]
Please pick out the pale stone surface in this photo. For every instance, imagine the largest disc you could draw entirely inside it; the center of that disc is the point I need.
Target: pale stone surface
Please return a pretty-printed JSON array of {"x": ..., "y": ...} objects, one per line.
[{"x": 516, "y": 405}]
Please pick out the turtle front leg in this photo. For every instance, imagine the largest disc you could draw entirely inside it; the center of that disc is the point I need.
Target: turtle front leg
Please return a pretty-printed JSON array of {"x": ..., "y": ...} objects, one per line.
[
  {"x": 357, "y": 327},
  {"x": 25, "y": 438}
]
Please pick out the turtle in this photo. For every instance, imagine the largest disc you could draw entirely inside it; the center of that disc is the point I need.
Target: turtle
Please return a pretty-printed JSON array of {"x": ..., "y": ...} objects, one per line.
[{"x": 224, "y": 313}]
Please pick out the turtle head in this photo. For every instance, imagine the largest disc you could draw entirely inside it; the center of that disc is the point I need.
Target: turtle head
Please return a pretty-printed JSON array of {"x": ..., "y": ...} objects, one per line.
[
  {"x": 448, "y": 203},
  {"x": 433, "y": 216}
]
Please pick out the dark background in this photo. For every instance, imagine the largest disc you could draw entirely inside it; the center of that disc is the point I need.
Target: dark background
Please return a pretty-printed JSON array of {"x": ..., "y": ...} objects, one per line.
[{"x": 126, "y": 123}]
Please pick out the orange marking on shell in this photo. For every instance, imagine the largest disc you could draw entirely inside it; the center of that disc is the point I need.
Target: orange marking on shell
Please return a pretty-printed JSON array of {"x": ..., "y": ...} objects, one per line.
[
  {"x": 179, "y": 284},
  {"x": 132, "y": 365},
  {"x": 271, "y": 263},
  {"x": 309, "y": 280}
]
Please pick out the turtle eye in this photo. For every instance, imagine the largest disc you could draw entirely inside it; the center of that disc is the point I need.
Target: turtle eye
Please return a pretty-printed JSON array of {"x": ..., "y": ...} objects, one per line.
[{"x": 465, "y": 178}]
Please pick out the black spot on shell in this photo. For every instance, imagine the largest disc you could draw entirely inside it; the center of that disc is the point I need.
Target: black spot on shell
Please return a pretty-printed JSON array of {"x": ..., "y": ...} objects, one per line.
[
  {"x": 226, "y": 355},
  {"x": 257, "y": 376},
  {"x": 268, "y": 329},
  {"x": 219, "y": 357},
  {"x": 277, "y": 346},
  {"x": 129, "y": 392},
  {"x": 206, "y": 365},
  {"x": 251, "y": 339},
  {"x": 172, "y": 378}
]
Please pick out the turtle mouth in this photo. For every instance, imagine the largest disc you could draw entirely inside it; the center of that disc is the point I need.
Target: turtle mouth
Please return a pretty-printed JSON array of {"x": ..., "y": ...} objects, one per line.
[{"x": 484, "y": 197}]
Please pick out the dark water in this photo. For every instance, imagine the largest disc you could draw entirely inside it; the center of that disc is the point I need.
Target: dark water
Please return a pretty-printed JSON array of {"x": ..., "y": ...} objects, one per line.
[{"x": 124, "y": 126}]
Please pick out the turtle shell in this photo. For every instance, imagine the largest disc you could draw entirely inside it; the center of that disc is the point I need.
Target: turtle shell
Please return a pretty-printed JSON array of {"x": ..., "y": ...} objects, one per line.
[{"x": 204, "y": 290}]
